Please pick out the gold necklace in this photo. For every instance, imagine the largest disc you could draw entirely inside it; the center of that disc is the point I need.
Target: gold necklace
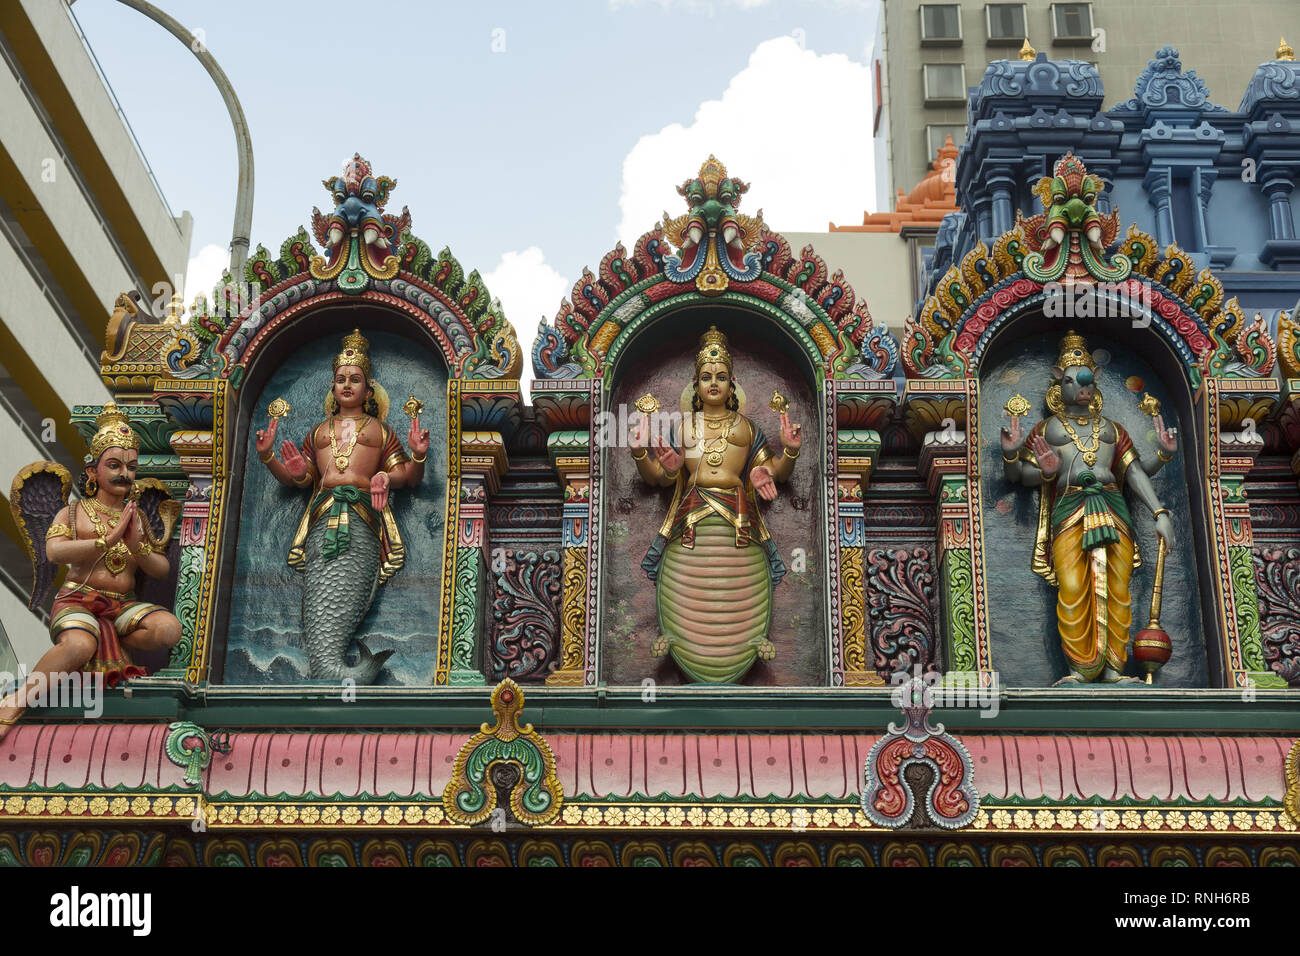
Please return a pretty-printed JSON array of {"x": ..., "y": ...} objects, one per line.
[
  {"x": 341, "y": 455},
  {"x": 714, "y": 448},
  {"x": 1089, "y": 453},
  {"x": 116, "y": 555}
]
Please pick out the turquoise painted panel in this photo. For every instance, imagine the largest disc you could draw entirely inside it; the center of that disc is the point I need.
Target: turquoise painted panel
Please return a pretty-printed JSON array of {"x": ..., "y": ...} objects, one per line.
[{"x": 264, "y": 644}]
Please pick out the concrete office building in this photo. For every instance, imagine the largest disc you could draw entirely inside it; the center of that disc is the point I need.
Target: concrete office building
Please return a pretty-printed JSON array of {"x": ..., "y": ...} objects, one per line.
[
  {"x": 928, "y": 55},
  {"x": 81, "y": 221}
]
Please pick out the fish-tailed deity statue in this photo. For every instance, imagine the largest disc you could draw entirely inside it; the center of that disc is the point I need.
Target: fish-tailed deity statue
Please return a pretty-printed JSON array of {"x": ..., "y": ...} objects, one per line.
[
  {"x": 713, "y": 562},
  {"x": 1086, "y": 547},
  {"x": 347, "y": 543},
  {"x": 115, "y": 531}
]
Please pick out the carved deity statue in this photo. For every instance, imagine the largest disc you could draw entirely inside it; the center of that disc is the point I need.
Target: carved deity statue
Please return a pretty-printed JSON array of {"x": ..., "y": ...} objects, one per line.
[
  {"x": 713, "y": 561},
  {"x": 1081, "y": 462},
  {"x": 347, "y": 543},
  {"x": 119, "y": 526}
]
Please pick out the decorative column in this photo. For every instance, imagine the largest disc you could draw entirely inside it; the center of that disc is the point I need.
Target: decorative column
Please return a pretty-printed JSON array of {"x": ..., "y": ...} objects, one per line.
[
  {"x": 1160, "y": 190},
  {"x": 855, "y": 411},
  {"x": 197, "y": 408},
  {"x": 1228, "y": 403},
  {"x": 570, "y": 453},
  {"x": 942, "y": 413},
  {"x": 1276, "y": 182},
  {"x": 1001, "y": 181},
  {"x": 482, "y": 463}
]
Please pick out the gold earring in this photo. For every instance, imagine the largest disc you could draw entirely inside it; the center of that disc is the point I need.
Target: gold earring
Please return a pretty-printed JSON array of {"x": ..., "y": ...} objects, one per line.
[{"x": 92, "y": 486}]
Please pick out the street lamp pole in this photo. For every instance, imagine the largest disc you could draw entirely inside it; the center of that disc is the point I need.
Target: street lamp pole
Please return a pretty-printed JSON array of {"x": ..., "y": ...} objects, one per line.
[{"x": 239, "y": 236}]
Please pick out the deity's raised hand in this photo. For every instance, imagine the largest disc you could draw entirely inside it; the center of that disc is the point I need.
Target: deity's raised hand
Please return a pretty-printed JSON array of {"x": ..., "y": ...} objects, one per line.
[
  {"x": 791, "y": 435},
  {"x": 761, "y": 478},
  {"x": 1166, "y": 437},
  {"x": 668, "y": 459},
  {"x": 293, "y": 459},
  {"x": 1012, "y": 437},
  {"x": 418, "y": 438},
  {"x": 1049, "y": 462},
  {"x": 639, "y": 436},
  {"x": 266, "y": 438}
]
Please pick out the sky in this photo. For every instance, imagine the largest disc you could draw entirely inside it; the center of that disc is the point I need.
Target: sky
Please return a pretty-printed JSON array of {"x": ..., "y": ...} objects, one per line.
[{"x": 529, "y": 137}]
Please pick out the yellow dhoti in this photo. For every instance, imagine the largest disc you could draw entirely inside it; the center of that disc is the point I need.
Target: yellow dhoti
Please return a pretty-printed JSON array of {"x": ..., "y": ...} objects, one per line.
[{"x": 1093, "y": 609}]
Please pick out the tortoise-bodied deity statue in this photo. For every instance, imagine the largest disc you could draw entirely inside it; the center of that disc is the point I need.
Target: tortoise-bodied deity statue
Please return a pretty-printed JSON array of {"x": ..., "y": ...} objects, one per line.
[
  {"x": 1086, "y": 547},
  {"x": 347, "y": 543},
  {"x": 713, "y": 562},
  {"x": 118, "y": 528}
]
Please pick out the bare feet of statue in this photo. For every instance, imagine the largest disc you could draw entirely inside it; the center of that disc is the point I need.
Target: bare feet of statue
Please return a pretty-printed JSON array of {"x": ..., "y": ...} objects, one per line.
[
  {"x": 1074, "y": 677},
  {"x": 660, "y": 646},
  {"x": 1112, "y": 676}
]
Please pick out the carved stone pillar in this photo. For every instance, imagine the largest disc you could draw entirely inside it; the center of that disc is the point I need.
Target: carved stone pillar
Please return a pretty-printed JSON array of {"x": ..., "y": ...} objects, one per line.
[
  {"x": 1160, "y": 190},
  {"x": 941, "y": 414},
  {"x": 572, "y": 462},
  {"x": 482, "y": 463},
  {"x": 1228, "y": 405},
  {"x": 858, "y": 450},
  {"x": 1001, "y": 182}
]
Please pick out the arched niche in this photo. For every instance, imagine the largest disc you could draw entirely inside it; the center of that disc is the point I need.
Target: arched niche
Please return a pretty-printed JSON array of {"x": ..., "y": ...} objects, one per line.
[
  {"x": 660, "y": 358},
  {"x": 1023, "y": 639},
  {"x": 259, "y": 606}
]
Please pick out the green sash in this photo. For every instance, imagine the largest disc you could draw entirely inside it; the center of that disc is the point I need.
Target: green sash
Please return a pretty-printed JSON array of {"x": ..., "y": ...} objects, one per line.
[
  {"x": 1101, "y": 508},
  {"x": 338, "y": 533}
]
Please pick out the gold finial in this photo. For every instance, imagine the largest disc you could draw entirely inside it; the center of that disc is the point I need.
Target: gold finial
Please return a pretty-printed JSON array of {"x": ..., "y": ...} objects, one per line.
[
  {"x": 1284, "y": 51},
  {"x": 779, "y": 403},
  {"x": 355, "y": 347},
  {"x": 1026, "y": 51},
  {"x": 175, "y": 310},
  {"x": 413, "y": 407},
  {"x": 1149, "y": 405},
  {"x": 114, "y": 431}
]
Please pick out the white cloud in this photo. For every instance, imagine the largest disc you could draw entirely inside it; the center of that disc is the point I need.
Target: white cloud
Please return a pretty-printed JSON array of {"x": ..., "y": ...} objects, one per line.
[
  {"x": 529, "y": 289},
  {"x": 204, "y": 272},
  {"x": 794, "y": 124}
]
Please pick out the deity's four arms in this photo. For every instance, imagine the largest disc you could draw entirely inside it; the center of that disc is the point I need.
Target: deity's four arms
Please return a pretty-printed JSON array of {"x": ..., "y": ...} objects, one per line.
[
  {"x": 119, "y": 526},
  {"x": 347, "y": 542},
  {"x": 1080, "y": 461},
  {"x": 713, "y": 561}
]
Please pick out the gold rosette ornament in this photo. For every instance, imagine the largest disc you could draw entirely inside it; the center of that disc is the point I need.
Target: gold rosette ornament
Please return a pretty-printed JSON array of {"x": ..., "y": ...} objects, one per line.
[
  {"x": 279, "y": 408},
  {"x": 1017, "y": 406}
]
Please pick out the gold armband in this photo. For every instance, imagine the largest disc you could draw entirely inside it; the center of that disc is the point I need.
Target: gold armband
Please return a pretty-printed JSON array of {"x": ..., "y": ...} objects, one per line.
[
  {"x": 786, "y": 453},
  {"x": 645, "y": 452},
  {"x": 268, "y": 459},
  {"x": 1159, "y": 511},
  {"x": 101, "y": 543},
  {"x": 420, "y": 461},
  {"x": 59, "y": 530},
  {"x": 146, "y": 549},
  {"x": 1160, "y": 453}
]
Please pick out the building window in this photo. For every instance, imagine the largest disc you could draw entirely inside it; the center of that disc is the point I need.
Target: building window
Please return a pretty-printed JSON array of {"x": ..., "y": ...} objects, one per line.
[
  {"x": 1072, "y": 23},
  {"x": 940, "y": 24},
  {"x": 945, "y": 84},
  {"x": 934, "y": 137},
  {"x": 1007, "y": 23}
]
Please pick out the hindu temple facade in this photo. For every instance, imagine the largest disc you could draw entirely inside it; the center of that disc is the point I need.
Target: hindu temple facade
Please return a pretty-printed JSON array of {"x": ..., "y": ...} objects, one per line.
[{"x": 644, "y": 615}]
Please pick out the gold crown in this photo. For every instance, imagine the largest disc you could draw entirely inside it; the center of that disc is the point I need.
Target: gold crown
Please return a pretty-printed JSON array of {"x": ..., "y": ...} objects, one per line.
[
  {"x": 114, "y": 431},
  {"x": 713, "y": 348},
  {"x": 1074, "y": 353},
  {"x": 354, "y": 351}
]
